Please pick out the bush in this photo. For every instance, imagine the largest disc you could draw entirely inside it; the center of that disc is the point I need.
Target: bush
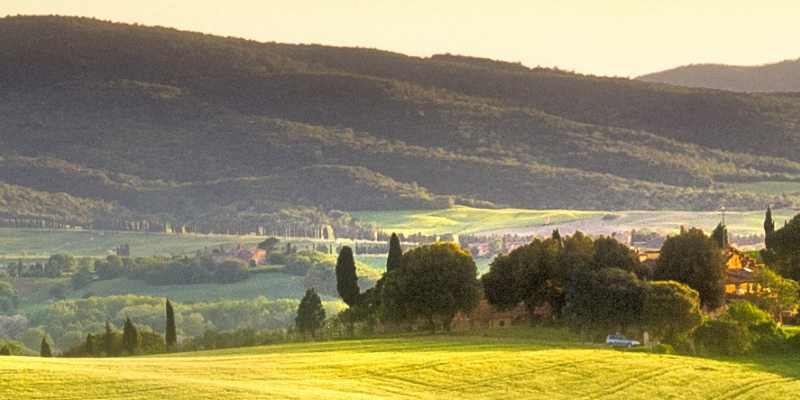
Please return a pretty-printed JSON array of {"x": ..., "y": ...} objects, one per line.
[
  {"x": 662, "y": 348},
  {"x": 768, "y": 338},
  {"x": 681, "y": 344},
  {"x": 724, "y": 338}
]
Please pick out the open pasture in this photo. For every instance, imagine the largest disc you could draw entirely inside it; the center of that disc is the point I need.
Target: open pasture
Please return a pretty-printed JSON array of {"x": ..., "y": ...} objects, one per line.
[
  {"x": 412, "y": 368},
  {"x": 467, "y": 220}
]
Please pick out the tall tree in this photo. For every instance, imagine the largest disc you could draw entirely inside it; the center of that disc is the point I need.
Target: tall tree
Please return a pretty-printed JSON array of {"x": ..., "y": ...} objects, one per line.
[
  {"x": 108, "y": 341},
  {"x": 556, "y": 236},
  {"x": 611, "y": 253},
  {"x": 130, "y": 337},
  {"x": 310, "y": 313},
  {"x": 88, "y": 345},
  {"x": 720, "y": 236},
  {"x": 607, "y": 300},
  {"x": 694, "y": 259},
  {"x": 346, "y": 278},
  {"x": 782, "y": 253},
  {"x": 433, "y": 282},
  {"x": 769, "y": 223},
  {"x": 45, "y": 350},
  {"x": 671, "y": 310},
  {"x": 395, "y": 253},
  {"x": 778, "y": 294},
  {"x": 171, "y": 335},
  {"x": 499, "y": 283}
]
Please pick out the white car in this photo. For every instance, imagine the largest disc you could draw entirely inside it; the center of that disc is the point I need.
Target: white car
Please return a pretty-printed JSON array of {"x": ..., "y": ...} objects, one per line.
[{"x": 619, "y": 340}]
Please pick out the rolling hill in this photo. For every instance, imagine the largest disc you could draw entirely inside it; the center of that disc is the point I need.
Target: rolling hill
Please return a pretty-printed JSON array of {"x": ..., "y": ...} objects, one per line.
[
  {"x": 219, "y": 134},
  {"x": 402, "y": 368},
  {"x": 783, "y": 76}
]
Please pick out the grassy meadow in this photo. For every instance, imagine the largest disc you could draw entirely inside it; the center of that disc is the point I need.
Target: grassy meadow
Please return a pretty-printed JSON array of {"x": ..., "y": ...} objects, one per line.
[
  {"x": 464, "y": 367},
  {"x": 41, "y": 244},
  {"x": 467, "y": 220}
]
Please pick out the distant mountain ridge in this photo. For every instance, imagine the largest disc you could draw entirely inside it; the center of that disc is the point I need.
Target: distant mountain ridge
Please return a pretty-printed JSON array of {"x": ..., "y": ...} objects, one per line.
[
  {"x": 159, "y": 124},
  {"x": 778, "y": 77}
]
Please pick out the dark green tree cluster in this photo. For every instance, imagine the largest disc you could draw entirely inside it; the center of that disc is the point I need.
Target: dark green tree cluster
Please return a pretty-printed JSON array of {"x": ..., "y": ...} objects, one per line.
[
  {"x": 538, "y": 272},
  {"x": 594, "y": 286},
  {"x": 743, "y": 328},
  {"x": 8, "y": 298},
  {"x": 694, "y": 259},
  {"x": 170, "y": 271},
  {"x": 433, "y": 282},
  {"x": 244, "y": 337},
  {"x": 112, "y": 343},
  {"x": 782, "y": 252}
]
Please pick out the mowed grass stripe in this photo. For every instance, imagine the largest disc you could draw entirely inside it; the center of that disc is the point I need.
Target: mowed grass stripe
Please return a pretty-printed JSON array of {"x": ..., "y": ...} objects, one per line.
[{"x": 463, "y": 368}]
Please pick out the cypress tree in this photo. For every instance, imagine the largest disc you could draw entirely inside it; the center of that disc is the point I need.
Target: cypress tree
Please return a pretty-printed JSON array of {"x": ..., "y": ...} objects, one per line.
[
  {"x": 769, "y": 223},
  {"x": 395, "y": 253},
  {"x": 45, "y": 351},
  {"x": 720, "y": 236},
  {"x": 108, "y": 341},
  {"x": 346, "y": 278},
  {"x": 130, "y": 337},
  {"x": 88, "y": 347},
  {"x": 557, "y": 237},
  {"x": 171, "y": 335}
]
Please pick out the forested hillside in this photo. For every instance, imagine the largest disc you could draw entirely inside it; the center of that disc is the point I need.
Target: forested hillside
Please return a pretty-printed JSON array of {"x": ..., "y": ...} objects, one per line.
[
  {"x": 151, "y": 124},
  {"x": 778, "y": 77}
]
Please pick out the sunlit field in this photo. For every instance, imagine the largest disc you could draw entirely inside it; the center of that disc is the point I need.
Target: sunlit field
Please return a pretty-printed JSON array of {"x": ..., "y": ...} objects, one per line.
[
  {"x": 467, "y": 220},
  {"x": 472, "y": 367}
]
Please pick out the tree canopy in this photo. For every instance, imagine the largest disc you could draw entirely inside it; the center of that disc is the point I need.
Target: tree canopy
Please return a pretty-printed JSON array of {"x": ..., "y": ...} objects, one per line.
[
  {"x": 433, "y": 282},
  {"x": 694, "y": 259},
  {"x": 671, "y": 309},
  {"x": 346, "y": 278},
  {"x": 310, "y": 314},
  {"x": 171, "y": 335},
  {"x": 395, "y": 253},
  {"x": 782, "y": 252}
]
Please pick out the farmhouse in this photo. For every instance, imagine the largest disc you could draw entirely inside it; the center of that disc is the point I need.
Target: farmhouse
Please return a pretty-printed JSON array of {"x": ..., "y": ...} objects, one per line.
[
  {"x": 739, "y": 281},
  {"x": 247, "y": 254}
]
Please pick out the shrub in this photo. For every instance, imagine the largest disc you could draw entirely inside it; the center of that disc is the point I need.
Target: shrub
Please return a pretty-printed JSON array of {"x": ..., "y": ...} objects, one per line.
[
  {"x": 725, "y": 338},
  {"x": 662, "y": 348}
]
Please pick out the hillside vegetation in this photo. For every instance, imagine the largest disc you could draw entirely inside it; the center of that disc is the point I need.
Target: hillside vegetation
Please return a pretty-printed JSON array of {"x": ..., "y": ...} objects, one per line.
[
  {"x": 155, "y": 129},
  {"x": 468, "y": 368},
  {"x": 778, "y": 77}
]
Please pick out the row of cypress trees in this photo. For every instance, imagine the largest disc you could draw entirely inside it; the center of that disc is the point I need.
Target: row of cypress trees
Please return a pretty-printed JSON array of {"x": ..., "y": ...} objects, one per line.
[{"x": 110, "y": 343}]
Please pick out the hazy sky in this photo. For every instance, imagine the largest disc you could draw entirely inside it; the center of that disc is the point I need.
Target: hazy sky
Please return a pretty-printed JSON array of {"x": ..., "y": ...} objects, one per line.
[{"x": 616, "y": 38}]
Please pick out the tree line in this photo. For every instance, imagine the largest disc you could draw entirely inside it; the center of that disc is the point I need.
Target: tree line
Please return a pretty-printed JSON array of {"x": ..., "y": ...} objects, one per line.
[{"x": 593, "y": 286}]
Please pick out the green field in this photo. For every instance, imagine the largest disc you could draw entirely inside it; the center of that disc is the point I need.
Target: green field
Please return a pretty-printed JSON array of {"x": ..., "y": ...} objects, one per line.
[
  {"x": 467, "y": 220},
  {"x": 41, "y": 244},
  {"x": 470, "y": 367},
  {"x": 379, "y": 262},
  {"x": 272, "y": 286}
]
